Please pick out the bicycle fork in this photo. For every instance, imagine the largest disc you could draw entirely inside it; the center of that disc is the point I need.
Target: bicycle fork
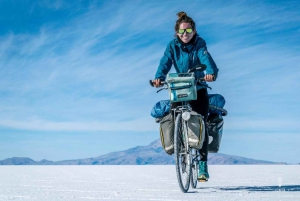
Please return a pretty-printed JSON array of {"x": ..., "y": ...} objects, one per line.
[{"x": 186, "y": 143}]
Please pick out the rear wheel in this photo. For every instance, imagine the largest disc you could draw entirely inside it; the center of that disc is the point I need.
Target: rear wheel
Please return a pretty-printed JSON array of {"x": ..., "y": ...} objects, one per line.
[{"x": 182, "y": 158}]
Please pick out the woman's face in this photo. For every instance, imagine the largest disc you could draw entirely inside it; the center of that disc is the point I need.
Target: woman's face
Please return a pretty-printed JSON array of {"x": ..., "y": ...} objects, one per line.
[{"x": 185, "y": 37}]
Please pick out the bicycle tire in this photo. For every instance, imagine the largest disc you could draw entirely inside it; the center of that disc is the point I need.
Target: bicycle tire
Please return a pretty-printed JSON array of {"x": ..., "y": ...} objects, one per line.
[
  {"x": 183, "y": 170},
  {"x": 195, "y": 167}
]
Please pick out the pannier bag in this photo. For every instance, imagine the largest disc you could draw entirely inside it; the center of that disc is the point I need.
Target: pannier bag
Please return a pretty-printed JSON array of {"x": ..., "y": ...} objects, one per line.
[
  {"x": 216, "y": 104},
  {"x": 182, "y": 87},
  {"x": 215, "y": 129},
  {"x": 161, "y": 109},
  {"x": 196, "y": 131},
  {"x": 167, "y": 133}
]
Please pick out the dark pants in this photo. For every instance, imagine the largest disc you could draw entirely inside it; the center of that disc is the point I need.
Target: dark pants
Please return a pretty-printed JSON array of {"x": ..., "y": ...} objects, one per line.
[{"x": 200, "y": 106}]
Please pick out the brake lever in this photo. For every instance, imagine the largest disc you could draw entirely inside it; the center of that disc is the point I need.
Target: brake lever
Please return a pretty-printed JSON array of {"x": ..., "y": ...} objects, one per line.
[
  {"x": 199, "y": 80},
  {"x": 162, "y": 89}
]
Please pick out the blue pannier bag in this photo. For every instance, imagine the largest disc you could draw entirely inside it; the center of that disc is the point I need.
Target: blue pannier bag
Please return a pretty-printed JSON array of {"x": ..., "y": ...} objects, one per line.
[
  {"x": 216, "y": 104},
  {"x": 161, "y": 109}
]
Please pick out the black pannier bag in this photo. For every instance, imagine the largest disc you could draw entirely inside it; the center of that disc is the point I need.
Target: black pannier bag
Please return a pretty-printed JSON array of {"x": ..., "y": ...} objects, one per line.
[
  {"x": 215, "y": 129},
  {"x": 167, "y": 133},
  {"x": 215, "y": 121}
]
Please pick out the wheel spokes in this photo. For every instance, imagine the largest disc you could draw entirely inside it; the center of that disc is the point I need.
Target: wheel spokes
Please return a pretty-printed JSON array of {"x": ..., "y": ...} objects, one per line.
[{"x": 182, "y": 158}]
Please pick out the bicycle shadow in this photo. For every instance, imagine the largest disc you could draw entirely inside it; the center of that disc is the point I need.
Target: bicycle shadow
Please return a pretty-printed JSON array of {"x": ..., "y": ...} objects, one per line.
[{"x": 292, "y": 188}]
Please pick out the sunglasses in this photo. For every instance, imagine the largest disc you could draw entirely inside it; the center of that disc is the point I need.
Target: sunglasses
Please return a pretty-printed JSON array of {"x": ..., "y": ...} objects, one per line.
[{"x": 188, "y": 30}]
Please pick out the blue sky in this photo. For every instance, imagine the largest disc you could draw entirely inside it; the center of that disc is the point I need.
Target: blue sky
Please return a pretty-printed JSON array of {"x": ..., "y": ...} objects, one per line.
[{"x": 74, "y": 75}]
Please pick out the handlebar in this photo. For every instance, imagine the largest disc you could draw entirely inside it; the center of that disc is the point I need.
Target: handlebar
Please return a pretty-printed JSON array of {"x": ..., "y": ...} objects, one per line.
[
  {"x": 199, "y": 80},
  {"x": 199, "y": 67}
]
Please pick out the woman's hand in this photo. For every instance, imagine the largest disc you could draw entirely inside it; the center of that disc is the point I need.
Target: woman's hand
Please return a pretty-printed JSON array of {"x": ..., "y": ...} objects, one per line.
[
  {"x": 209, "y": 78},
  {"x": 157, "y": 83}
]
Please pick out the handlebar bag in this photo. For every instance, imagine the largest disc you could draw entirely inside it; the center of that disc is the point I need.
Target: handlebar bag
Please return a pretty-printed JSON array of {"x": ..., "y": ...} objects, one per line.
[{"x": 181, "y": 86}]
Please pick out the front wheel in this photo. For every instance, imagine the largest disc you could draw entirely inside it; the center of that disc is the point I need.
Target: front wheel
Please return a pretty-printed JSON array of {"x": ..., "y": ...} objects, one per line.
[
  {"x": 195, "y": 167},
  {"x": 182, "y": 157}
]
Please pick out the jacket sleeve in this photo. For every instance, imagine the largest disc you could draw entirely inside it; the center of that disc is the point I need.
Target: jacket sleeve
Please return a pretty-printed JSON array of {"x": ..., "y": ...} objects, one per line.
[
  {"x": 205, "y": 58},
  {"x": 165, "y": 64}
]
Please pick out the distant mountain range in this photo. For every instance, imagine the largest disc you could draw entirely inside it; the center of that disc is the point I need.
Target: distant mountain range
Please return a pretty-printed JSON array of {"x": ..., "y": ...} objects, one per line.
[{"x": 152, "y": 154}]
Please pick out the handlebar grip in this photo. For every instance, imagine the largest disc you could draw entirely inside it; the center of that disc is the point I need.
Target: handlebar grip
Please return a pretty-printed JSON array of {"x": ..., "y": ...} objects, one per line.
[{"x": 161, "y": 82}]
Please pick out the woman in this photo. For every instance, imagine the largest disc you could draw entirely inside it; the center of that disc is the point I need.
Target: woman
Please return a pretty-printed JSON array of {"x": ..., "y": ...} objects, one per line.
[{"x": 186, "y": 51}]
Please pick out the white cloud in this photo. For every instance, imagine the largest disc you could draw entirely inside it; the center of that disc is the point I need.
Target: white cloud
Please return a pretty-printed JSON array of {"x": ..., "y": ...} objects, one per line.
[
  {"x": 261, "y": 124},
  {"x": 143, "y": 124}
]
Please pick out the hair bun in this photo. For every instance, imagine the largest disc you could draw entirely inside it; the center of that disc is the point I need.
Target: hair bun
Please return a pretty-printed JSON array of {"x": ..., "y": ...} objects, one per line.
[{"x": 181, "y": 15}]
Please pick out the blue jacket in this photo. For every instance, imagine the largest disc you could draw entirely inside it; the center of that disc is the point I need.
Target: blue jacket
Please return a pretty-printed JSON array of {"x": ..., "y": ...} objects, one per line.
[{"x": 184, "y": 57}]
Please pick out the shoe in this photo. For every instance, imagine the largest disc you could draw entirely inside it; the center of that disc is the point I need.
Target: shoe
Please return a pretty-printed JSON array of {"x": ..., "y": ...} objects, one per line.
[{"x": 203, "y": 171}]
